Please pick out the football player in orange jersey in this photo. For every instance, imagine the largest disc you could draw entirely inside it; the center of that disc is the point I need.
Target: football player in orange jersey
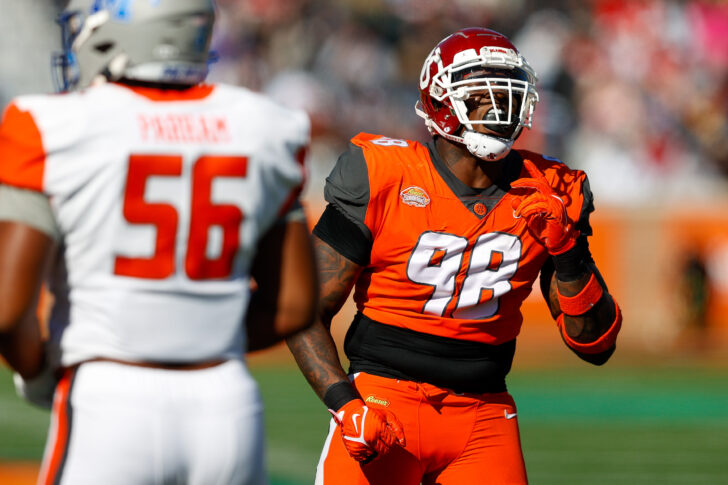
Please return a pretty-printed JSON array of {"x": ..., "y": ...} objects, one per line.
[
  {"x": 441, "y": 243},
  {"x": 150, "y": 200}
]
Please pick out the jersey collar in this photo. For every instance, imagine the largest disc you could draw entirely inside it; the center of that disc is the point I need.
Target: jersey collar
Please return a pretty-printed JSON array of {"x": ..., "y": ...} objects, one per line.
[
  {"x": 470, "y": 196},
  {"x": 194, "y": 93}
]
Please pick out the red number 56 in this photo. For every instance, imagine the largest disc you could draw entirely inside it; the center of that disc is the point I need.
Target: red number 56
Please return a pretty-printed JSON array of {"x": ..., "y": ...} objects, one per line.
[{"x": 165, "y": 217}]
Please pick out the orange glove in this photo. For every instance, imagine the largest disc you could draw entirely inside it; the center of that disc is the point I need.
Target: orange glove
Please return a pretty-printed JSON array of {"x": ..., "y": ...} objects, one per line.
[
  {"x": 545, "y": 212},
  {"x": 367, "y": 432}
]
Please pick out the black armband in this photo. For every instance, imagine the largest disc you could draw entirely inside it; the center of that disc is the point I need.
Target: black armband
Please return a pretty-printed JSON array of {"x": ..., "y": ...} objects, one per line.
[
  {"x": 339, "y": 394},
  {"x": 573, "y": 264}
]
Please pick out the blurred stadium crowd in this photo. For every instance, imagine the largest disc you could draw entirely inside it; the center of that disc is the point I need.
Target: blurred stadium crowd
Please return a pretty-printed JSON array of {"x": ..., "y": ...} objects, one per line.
[{"x": 633, "y": 91}]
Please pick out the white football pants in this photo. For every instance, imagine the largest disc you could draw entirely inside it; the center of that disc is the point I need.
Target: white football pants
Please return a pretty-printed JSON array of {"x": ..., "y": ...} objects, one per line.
[{"x": 116, "y": 424}]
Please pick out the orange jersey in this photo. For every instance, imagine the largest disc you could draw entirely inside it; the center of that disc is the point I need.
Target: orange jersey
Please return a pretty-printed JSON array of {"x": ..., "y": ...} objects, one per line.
[{"x": 438, "y": 265}]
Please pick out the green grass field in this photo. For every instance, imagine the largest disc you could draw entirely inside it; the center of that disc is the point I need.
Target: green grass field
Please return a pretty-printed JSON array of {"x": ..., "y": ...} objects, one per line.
[{"x": 580, "y": 425}]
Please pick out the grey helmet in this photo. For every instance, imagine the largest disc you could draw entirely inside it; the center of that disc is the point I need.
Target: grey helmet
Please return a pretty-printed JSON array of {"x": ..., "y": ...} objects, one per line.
[{"x": 159, "y": 41}]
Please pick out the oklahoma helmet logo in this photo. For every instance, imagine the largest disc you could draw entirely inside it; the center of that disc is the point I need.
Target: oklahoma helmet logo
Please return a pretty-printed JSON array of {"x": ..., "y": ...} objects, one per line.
[{"x": 415, "y": 196}]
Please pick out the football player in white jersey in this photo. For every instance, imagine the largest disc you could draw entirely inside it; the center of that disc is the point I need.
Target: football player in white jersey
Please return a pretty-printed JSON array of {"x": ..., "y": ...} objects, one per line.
[{"x": 163, "y": 215}]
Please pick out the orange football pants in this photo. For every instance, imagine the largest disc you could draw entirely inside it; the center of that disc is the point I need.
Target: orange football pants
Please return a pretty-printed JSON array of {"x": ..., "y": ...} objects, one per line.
[{"x": 452, "y": 439}]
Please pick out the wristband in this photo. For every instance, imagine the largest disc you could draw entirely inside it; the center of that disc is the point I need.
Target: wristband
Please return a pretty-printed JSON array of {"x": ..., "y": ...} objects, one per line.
[
  {"x": 602, "y": 344},
  {"x": 337, "y": 395},
  {"x": 572, "y": 264},
  {"x": 583, "y": 301}
]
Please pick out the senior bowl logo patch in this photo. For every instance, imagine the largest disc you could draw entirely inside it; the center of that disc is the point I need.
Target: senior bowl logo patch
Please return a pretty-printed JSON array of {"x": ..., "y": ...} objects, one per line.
[
  {"x": 415, "y": 196},
  {"x": 376, "y": 400}
]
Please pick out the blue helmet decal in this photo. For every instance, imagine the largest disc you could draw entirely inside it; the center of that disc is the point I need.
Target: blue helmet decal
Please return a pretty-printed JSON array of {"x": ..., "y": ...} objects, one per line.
[{"x": 119, "y": 9}]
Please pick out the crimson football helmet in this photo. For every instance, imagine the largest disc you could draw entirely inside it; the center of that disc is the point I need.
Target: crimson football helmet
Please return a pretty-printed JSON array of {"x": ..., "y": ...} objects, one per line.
[{"x": 471, "y": 67}]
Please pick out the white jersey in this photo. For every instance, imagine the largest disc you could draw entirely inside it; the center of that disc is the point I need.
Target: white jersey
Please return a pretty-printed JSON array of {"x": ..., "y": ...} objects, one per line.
[{"x": 160, "y": 198}]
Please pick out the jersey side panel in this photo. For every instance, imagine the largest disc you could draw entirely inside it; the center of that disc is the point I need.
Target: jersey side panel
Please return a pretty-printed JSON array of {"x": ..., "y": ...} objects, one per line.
[{"x": 27, "y": 207}]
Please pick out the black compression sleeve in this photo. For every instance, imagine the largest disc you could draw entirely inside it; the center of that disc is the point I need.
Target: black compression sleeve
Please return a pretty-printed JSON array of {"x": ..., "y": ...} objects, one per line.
[
  {"x": 572, "y": 264},
  {"x": 336, "y": 230}
]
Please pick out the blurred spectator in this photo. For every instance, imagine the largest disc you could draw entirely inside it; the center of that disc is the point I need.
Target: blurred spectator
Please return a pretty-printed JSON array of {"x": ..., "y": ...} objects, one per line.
[
  {"x": 634, "y": 91},
  {"x": 695, "y": 292},
  {"x": 638, "y": 101}
]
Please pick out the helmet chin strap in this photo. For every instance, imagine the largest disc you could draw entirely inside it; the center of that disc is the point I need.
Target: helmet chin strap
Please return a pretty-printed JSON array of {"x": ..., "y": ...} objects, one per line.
[{"x": 486, "y": 147}]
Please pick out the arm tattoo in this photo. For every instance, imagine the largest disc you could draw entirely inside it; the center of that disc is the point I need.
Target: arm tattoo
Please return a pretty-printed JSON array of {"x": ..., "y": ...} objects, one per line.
[
  {"x": 316, "y": 356},
  {"x": 314, "y": 348},
  {"x": 337, "y": 275}
]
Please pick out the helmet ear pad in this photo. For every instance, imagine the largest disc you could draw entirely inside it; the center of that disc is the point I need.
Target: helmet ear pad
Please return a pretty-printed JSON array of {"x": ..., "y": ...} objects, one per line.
[{"x": 444, "y": 115}]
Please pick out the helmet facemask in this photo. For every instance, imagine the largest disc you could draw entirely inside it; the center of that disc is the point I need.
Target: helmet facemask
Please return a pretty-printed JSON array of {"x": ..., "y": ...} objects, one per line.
[
  {"x": 489, "y": 99},
  {"x": 66, "y": 71}
]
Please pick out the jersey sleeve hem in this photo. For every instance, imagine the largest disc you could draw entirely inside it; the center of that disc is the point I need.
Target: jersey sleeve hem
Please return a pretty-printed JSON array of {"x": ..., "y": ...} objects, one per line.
[{"x": 22, "y": 156}]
